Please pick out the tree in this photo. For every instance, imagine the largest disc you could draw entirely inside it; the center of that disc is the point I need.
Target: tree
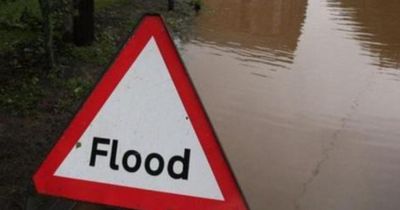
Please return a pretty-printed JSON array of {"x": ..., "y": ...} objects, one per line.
[
  {"x": 171, "y": 5},
  {"x": 84, "y": 22},
  {"x": 45, "y": 7}
]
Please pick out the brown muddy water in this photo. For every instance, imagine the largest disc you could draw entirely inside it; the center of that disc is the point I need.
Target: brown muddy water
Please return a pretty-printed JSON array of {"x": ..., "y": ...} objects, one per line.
[{"x": 305, "y": 98}]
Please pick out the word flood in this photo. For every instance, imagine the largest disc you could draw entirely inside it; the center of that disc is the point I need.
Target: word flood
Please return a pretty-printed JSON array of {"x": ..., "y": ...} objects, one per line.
[{"x": 135, "y": 155}]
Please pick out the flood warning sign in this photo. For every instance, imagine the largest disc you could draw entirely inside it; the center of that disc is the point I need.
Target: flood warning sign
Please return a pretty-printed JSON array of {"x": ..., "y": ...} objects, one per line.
[{"x": 142, "y": 139}]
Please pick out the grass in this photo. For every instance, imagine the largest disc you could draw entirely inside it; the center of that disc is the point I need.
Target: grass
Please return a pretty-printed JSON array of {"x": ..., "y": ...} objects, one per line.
[
  {"x": 104, "y": 4},
  {"x": 12, "y": 26},
  {"x": 11, "y": 11}
]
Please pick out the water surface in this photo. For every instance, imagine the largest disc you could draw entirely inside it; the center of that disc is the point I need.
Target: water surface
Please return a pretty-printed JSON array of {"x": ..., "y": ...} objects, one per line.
[{"x": 305, "y": 99}]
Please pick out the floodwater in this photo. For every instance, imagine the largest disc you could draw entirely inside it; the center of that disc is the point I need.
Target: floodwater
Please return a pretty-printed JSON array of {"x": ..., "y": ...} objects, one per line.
[{"x": 305, "y": 98}]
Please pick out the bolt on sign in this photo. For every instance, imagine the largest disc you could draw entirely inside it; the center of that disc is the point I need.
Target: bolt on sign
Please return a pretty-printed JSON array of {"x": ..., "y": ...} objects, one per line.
[{"x": 142, "y": 139}]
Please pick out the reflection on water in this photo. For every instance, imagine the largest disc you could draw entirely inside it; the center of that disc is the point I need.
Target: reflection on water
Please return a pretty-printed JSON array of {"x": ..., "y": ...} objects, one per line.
[
  {"x": 304, "y": 96},
  {"x": 257, "y": 31},
  {"x": 375, "y": 24}
]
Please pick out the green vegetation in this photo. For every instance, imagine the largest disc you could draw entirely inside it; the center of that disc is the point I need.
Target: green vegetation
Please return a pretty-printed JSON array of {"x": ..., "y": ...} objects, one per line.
[
  {"x": 17, "y": 22},
  {"x": 36, "y": 102},
  {"x": 26, "y": 81},
  {"x": 12, "y": 11}
]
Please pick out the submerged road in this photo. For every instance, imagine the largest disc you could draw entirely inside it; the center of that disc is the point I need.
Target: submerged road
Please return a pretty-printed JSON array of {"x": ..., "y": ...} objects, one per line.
[{"x": 305, "y": 98}]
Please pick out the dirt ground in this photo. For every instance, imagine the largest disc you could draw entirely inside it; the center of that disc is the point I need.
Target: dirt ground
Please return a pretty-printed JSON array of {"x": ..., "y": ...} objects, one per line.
[{"x": 25, "y": 139}]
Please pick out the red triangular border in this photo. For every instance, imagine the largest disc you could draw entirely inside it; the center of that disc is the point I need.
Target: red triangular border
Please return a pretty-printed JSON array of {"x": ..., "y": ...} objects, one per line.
[{"x": 47, "y": 183}]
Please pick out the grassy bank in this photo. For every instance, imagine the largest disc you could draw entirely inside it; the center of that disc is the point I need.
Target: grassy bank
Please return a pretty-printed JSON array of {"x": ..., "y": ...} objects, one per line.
[{"x": 35, "y": 106}]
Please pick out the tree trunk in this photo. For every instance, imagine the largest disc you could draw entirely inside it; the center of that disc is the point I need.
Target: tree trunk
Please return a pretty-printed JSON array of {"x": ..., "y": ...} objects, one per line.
[
  {"x": 171, "y": 5},
  {"x": 84, "y": 23},
  {"x": 45, "y": 8}
]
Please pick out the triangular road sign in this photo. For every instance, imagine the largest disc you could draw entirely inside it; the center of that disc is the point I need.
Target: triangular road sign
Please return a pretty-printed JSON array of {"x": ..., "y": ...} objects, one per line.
[{"x": 142, "y": 139}]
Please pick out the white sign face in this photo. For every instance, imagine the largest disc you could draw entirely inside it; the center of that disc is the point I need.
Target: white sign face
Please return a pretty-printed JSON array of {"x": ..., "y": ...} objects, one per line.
[{"x": 142, "y": 137}]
